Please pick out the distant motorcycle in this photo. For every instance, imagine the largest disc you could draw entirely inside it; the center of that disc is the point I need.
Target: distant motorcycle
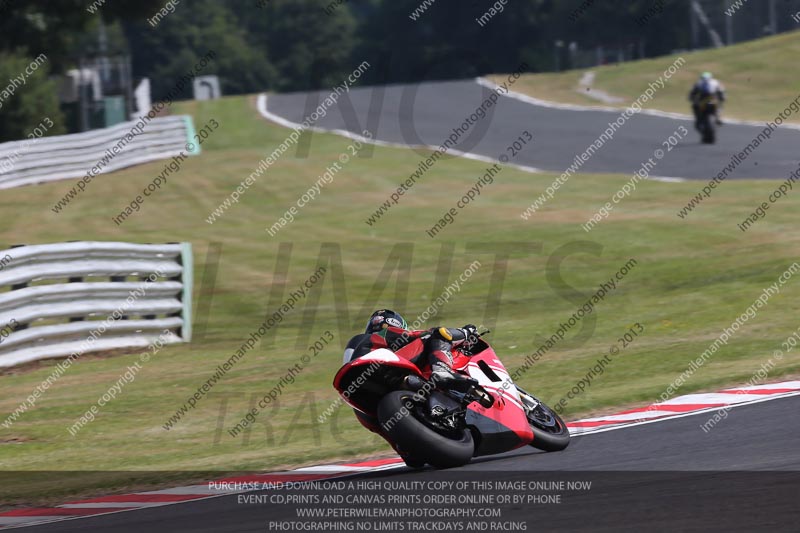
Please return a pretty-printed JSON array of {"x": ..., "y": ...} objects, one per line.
[
  {"x": 707, "y": 122},
  {"x": 707, "y": 96},
  {"x": 445, "y": 428}
]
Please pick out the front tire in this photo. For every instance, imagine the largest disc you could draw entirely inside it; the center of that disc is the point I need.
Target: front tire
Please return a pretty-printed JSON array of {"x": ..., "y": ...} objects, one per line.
[
  {"x": 397, "y": 416},
  {"x": 550, "y": 433}
]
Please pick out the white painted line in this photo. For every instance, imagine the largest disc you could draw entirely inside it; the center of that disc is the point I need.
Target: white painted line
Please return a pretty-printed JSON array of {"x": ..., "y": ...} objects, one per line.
[
  {"x": 17, "y": 520},
  {"x": 631, "y": 416},
  {"x": 652, "y": 112},
  {"x": 667, "y": 179},
  {"x": 334, "y": 469},
  {"x": 112, "y": 505},
  {"x": 602, "y": 429},
  {"x": 192, "y": 489},
  {"x": 266, "y": 113},
  {"x": 785, "y": 385},
  {"x": 585, "y": 87},
  {"x": 546, "y": 103},
  {"x": 709, "y": 398}
]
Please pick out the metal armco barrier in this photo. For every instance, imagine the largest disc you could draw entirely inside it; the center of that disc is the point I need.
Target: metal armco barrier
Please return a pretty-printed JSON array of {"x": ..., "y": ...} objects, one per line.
[
  {"x": 63, "y": 157},
  {"x": 61, "y": 299}
]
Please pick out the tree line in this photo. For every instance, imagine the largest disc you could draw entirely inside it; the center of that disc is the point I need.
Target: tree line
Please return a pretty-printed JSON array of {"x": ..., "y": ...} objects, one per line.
[{"x": 294, "y": 45}]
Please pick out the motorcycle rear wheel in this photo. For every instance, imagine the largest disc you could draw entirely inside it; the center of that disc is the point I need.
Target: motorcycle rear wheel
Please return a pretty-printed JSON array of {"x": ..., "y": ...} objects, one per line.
[
  {"x": 709, "y": 129},
  {"x": 417, "y": 439}
]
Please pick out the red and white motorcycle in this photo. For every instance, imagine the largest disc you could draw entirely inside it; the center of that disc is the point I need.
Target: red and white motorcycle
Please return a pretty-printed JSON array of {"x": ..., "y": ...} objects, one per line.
[{"x": 429, "y": 424}]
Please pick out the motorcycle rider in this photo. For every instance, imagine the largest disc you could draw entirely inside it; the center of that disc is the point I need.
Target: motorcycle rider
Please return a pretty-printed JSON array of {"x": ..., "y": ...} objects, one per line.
[
  {"x": 707, "y": 90},
  {"x": 388, "y": 329}
]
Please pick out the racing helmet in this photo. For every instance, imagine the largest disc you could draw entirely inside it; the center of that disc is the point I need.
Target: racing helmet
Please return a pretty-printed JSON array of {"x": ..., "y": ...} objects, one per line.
[{"x": 384, "y": 318}]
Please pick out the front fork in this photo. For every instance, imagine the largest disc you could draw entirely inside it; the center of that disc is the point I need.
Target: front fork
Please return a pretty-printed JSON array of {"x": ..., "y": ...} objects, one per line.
[{"x": 528, "y": 400}]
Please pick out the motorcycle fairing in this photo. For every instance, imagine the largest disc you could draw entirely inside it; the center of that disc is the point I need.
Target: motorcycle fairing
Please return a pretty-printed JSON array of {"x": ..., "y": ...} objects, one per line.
[
  {"x": 504, "y": 426},
  {"x": 381, "y": 363}
]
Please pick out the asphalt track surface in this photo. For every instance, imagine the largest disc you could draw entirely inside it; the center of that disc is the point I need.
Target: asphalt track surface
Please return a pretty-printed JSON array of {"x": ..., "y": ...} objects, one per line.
[
  {"x": 664, "y": 476},
  {"x": 425, "y": 114}
]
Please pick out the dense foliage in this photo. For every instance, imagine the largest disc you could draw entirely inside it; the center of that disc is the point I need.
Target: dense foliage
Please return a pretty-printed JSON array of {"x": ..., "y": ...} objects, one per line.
[{"x": 287, "y": 45}]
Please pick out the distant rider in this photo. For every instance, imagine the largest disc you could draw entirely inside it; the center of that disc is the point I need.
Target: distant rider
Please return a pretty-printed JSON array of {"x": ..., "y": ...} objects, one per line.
[{"x": 707, "y": 90}]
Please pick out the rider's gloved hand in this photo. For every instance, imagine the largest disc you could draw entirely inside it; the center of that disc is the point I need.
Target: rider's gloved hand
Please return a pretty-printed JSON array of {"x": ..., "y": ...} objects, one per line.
[
  {"x": 466, "y": 335},
  {"x": 470, "y": 334}
]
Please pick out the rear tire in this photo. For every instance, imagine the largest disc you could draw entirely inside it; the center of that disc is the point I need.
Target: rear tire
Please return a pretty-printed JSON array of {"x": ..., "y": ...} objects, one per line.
[
  {"x": 417, "y": 439},
  {"x": 709, "y": 130}
]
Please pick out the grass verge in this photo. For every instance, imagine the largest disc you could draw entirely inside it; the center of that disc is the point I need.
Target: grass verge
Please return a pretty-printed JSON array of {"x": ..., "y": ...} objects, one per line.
[
  {"x": 756, "y": 74},
  {"x": 692, "y": 279}
]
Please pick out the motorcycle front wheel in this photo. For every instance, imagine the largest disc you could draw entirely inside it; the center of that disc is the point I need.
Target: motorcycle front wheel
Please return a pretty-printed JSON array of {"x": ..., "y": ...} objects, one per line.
[{"x": 550, "y": 433}]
